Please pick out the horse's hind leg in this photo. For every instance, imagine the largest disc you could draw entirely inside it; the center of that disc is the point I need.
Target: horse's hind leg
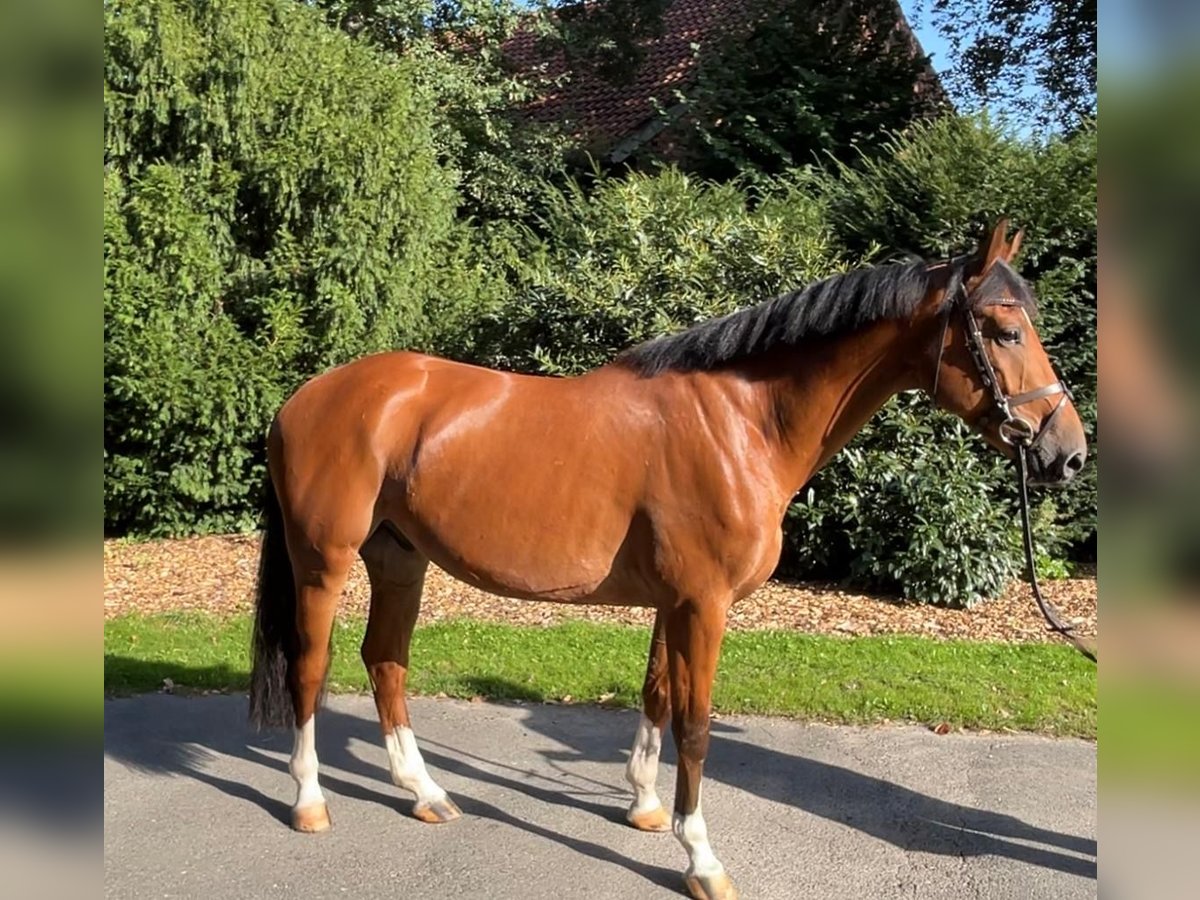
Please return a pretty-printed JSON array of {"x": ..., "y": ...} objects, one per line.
[
  {"x": 319, "y": 583},
  {"x": 647, "y": 813},
  {"x": 397, "y": 575}
]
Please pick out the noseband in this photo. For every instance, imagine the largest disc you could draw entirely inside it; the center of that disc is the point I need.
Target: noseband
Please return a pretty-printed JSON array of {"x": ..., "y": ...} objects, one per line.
[{"x": 1013, "y": 430}]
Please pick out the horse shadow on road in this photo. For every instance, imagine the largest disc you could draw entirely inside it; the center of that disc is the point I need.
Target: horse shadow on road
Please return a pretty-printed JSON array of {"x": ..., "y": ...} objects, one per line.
[
  {"x": 160, "y": 740},
  {"x": 901, "y": 816},
  {"x": 909, "y": 819}
]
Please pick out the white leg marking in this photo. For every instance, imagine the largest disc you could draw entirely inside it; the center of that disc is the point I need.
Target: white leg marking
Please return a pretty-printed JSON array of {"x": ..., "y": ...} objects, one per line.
[
  {"x": 303, "y": 766},
  {"x": 642, "y": 769},
  {"x": 408, "y": 768},
  {"x": 693, "y": 834}
]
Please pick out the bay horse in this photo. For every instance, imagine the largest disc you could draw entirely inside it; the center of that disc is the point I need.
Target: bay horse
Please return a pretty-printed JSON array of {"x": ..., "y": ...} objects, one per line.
[{"x": 660, "y": 479}]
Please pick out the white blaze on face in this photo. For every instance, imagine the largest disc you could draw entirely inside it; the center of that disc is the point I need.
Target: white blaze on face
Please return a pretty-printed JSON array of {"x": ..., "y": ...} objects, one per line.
[
  {"x": 692, "y": 832},
  {"x": 642, "y": 769},
  {"x": 408, "y": 768},
  {"x": 303, "y": 766}
]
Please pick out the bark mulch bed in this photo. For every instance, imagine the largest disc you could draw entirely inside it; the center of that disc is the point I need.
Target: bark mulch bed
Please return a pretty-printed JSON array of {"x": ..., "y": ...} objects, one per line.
[{"x": 216, "y": 575}]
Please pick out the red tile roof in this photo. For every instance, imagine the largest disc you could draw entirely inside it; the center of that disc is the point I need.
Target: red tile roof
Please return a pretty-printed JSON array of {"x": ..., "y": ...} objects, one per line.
[
  {"x": 591, "y": 107},
  {"x": 601, "y": 113}
]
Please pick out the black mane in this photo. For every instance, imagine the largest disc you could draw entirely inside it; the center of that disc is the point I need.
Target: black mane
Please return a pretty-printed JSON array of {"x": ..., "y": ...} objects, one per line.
[{"x": 840, "y": 304}]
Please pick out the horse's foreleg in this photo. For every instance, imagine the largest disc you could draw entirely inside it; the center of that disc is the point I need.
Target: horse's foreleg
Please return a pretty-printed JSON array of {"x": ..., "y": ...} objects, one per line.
[
  {"x": 694, "y": 633},
  {"x": 646, "y": 812},
  {"x": 397, "y": 576}
]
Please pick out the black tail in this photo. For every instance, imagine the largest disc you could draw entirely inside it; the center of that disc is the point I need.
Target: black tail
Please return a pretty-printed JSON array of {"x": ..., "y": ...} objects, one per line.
[{"x": 275, "y": 638}]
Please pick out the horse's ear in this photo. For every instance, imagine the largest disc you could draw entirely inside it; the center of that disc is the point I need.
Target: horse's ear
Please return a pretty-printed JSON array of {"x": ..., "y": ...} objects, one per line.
[
  {"x": 994, "y": 247},
  {"x": 1015, "y": 245}
]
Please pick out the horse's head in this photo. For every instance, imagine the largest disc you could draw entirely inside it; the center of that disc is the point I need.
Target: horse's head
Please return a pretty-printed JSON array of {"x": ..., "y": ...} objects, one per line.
[{"x": 992, "y": 370}]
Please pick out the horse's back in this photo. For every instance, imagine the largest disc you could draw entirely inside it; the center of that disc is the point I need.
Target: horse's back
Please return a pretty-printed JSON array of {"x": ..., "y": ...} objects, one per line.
[{"x": 401, "y": 405}]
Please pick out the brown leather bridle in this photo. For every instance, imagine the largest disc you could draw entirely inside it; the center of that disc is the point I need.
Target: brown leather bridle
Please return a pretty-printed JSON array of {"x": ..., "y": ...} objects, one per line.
[{"x": 1013, "y": 430}]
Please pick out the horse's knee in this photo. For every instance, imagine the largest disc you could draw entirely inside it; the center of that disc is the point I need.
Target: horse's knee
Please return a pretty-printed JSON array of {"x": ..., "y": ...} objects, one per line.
[{"x": 691, "y": 738}]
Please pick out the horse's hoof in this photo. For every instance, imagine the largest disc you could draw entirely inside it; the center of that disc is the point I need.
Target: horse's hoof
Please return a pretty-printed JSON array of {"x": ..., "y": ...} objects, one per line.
[
  {"x": 656, "y": 819},
  {"x": 311, "y": 819},
  {"x": 711, "y": 887},
  {"x": 437, "y": 811}
]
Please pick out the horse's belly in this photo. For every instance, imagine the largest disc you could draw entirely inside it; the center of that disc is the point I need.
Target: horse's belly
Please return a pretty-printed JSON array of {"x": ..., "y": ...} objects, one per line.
[
  {"x": 529, "y": 544},
  {"x": 535, "y": 569},
  {"x": 531, "y": 585}
]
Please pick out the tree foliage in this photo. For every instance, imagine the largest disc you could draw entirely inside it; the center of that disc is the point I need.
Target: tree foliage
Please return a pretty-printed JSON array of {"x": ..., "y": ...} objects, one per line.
[
  {"x": 455, "y": 48},
  {"x": 273, "y": 206},
  {"x": 1035, "y": 59},
  {"x": 802, "y": 80},
  {"x": 606, "y": 39}
]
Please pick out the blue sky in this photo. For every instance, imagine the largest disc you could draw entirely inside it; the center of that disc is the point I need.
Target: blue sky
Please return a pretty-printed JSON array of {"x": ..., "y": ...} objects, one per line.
[
  {"x": 1134, "y": 34},
  {"x": 919, "y": 19},
  {"x": 932, "y": 42}
]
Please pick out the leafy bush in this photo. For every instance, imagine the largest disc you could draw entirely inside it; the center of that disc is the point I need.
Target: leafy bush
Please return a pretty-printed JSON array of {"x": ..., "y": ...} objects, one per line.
[
  {"x": 908, "y": 508},
  {"x": 645, "y": 255},
  {"x": 273, "y": 206}
]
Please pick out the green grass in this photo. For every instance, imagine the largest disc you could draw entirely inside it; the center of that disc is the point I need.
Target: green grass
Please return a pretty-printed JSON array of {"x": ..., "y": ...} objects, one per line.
[{"x": 1045, "y": 688}]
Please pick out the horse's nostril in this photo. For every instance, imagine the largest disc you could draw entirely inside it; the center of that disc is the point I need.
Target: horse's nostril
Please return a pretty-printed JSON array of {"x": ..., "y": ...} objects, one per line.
[{"x": 1073, "y": 464}]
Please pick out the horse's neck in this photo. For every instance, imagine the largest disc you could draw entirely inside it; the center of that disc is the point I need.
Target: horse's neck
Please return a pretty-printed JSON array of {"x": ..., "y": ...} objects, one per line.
[{"x": 823, "y": 392}]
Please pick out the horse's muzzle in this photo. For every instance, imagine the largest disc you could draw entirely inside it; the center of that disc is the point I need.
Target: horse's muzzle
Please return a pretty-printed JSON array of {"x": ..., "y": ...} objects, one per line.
[{"x": 1052, "y": 466}]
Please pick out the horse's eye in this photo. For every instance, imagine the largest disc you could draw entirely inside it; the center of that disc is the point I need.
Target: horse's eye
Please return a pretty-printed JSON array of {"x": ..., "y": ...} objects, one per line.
[{"x": 1010, "y": 336}]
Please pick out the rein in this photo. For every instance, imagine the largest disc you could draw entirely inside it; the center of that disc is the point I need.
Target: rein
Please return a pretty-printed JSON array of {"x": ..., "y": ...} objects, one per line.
[
  {"x": 1017, "y": 432},
  {"x": 1049, "y": 613}
]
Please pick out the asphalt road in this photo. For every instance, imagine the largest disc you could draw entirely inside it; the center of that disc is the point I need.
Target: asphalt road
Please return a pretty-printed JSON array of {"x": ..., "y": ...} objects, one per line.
[{"x": 196, "y": 805}]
